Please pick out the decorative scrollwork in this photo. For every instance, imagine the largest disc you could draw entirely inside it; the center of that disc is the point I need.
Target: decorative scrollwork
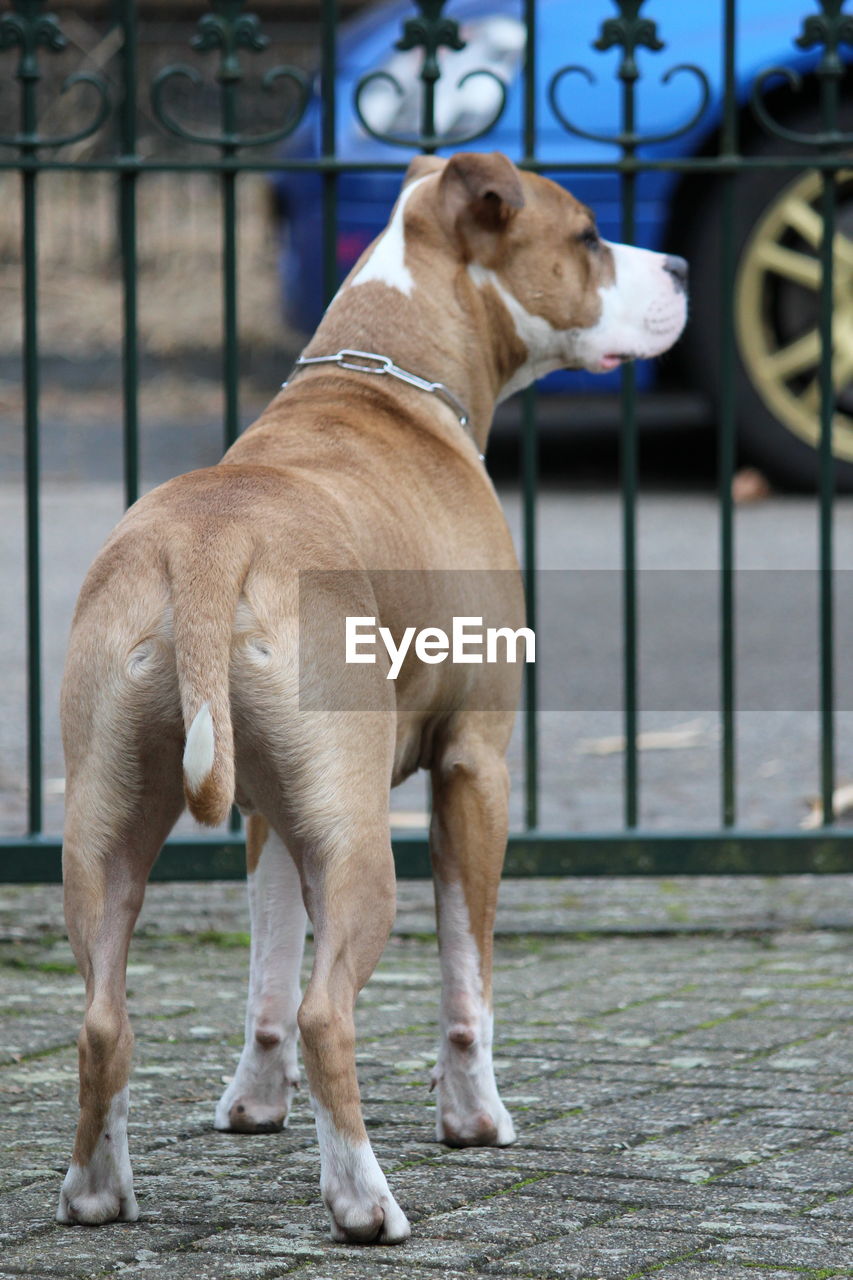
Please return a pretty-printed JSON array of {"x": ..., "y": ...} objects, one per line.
[
  {"x": 431, "y": 31},
  {"x": 428, "y": 140},
  {"x": 628, "y": 32},
  {"x": 29, "y": 27},
  {"x": 831, "y": 28},
  {"x": 229, "y": 29}
]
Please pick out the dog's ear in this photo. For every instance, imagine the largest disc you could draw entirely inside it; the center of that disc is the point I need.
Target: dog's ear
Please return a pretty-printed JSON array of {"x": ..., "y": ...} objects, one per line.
[
  {"x": 421, "y": 166},
  {"x": 481, "y": 189}
]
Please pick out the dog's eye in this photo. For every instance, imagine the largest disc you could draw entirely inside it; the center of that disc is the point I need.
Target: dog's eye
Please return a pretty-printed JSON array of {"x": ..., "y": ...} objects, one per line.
[{"x": 589, "y": 239}]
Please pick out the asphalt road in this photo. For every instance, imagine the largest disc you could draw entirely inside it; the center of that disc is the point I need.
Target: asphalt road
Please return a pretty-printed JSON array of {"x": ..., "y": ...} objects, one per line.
[{"x": 579, "y": 631}]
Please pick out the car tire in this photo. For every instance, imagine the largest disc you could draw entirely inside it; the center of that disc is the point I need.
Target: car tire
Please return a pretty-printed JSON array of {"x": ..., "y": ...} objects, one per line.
[{"x": 776, "y": 302}]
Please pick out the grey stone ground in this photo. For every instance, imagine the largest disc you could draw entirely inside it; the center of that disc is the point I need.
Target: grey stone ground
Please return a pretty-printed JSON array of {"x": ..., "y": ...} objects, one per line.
[{"x": 675, "y": 1054}]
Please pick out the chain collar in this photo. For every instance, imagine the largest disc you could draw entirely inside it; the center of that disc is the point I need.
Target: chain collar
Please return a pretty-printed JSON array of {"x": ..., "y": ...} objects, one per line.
[{"x": 373, "y": 363}]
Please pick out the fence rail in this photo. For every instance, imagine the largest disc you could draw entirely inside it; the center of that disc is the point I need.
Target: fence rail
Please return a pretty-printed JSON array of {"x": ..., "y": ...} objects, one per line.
[{"x": 101, "y": 135}]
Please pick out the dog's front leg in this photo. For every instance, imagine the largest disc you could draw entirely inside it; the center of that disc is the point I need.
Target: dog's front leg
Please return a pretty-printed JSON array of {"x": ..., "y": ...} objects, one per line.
[
  {"x": 467, "y": 842},
  {"x": 351, "y": 900},
  {"x": 258, "y": 1098}
]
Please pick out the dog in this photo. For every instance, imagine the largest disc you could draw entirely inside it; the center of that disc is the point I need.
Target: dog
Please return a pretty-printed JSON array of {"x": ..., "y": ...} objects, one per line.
[{"x": 192, "y": 681}]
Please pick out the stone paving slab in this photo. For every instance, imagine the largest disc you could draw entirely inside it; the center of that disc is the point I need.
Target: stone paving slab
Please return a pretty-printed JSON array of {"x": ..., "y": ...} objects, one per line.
[
  {"x": 702, "y": 1271},
  {"x": 681, "y": 1090},
  {"x": 582, "y": 904}
]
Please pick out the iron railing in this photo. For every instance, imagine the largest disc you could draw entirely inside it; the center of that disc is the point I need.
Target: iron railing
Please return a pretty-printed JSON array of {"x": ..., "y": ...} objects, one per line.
[{"x": 31, "y": 35}]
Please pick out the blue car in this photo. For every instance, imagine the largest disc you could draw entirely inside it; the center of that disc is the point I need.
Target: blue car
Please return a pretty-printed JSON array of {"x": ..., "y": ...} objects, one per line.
[{"x": 778, "y": 222}]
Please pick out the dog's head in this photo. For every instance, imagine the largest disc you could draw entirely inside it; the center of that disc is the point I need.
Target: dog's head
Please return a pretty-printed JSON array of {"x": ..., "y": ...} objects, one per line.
[{"x": 574, "y": 300}]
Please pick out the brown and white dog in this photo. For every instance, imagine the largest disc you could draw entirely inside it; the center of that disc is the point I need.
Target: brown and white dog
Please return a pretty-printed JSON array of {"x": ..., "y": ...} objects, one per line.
[{"x": 182, "y": 685}]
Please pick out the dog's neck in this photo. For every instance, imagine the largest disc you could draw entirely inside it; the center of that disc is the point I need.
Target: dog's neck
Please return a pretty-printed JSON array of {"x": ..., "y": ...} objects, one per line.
[
  {"x": 437, "y": 333},
  {"x": 410, "y": 298}
]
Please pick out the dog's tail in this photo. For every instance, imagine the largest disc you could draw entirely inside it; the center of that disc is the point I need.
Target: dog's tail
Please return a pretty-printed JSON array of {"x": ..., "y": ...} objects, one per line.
[{"x": 205, "y": 591}]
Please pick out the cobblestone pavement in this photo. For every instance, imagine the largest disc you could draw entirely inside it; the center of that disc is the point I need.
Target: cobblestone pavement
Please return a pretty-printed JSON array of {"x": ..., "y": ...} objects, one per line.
[{"x": 674, "y": 1054}]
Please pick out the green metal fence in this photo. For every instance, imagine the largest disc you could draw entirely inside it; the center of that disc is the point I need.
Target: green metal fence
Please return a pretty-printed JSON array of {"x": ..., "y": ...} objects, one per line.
[{"x": 28, "y": 36}]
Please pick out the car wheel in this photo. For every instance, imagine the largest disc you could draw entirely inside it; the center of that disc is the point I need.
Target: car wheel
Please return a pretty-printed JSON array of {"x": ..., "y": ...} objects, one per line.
[
  {"x": 777, "y": 302},
  {"x": 777, "y": 299}
]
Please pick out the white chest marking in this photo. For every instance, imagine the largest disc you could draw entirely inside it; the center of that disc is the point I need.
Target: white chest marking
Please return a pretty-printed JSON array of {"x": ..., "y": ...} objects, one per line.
[{"x": 387, "y": 262}]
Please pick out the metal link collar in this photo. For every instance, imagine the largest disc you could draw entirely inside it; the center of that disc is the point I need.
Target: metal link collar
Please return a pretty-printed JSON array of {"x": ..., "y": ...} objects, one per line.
[{"x": 370, "y": 362}]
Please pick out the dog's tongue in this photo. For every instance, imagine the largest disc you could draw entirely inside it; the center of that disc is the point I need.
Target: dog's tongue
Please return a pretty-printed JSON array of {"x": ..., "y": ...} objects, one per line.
[{"x": 609, "y": 363}]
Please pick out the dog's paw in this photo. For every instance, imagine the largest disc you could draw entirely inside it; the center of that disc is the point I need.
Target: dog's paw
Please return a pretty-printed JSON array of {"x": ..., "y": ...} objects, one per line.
[
  {"x": 377, "y": 1220},
  {"x": 355, "y": 1190},
  {"x": 469, "y": 1111},
  {"x": 81, "y": 1203},
  {"x": 246, "y": 1115},
  {"x": 259, "y": 1098},
  {"x": 476, "y": 1129},
  {"x": 262, "y": 1106}
]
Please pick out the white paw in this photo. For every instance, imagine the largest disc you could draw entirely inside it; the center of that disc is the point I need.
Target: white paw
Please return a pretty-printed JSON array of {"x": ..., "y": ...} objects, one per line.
[
  {"x": 355, "y": 1190},
  {"x": 83, "y": 1201},
  {"x": 259, "y": 1098},
  {"x": 366, "y": 1219},
  {"x": 476, "y": 1127},
  {"x": 469, "y": 1111},
  {"x": 506, "y": 1128},
  {"x": 248, "y": 1115},
  {"x": 240, "y": 1112},
  {"x": 102, "y": 1189}
]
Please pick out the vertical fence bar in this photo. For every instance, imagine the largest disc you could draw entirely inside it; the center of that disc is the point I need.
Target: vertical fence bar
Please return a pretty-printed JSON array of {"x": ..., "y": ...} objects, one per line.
[
  {"x": 628, "y": 464},
  {"x": 28, "y": 75},
  {"x": 328, "y": 148},
  {"x": 530, "y": 475},
  {"x": 830, "y": 89},
  {"x": 529, "y": 468},
  {"x": 228, "y": 77},
  {"x": 32, "y": 465},
  {"x": 231, "y": 354},
  {"x": 827, "y": 480},
  {"x": 726, "y": 456},
  {"x": 129, "y": 255}
]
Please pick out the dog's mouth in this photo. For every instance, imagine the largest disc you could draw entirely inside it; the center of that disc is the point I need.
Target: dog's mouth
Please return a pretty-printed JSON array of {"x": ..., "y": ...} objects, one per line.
[{"x": 610, "y": 362}]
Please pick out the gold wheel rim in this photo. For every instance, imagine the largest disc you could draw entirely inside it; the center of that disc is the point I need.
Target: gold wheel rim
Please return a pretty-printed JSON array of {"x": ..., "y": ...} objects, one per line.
[{"x": 782, "y": 251}]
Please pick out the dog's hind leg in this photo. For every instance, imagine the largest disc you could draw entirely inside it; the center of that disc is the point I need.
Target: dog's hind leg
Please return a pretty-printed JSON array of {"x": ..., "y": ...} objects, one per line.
[
  {"x": 258, "y": 1098},
  {"x": 351, "y": 898},
  {"x": 467, "y": 843},
  {"x": 117, "y": 816},
  {"x": 336, "y": 822}
]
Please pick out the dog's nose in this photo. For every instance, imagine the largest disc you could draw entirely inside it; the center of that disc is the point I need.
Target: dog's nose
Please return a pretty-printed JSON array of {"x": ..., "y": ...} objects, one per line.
[{"x": 678, "y": 269}]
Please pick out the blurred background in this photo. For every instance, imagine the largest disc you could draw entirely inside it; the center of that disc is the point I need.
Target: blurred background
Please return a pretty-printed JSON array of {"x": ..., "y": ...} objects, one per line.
[{"x": 180, "y": 246}]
